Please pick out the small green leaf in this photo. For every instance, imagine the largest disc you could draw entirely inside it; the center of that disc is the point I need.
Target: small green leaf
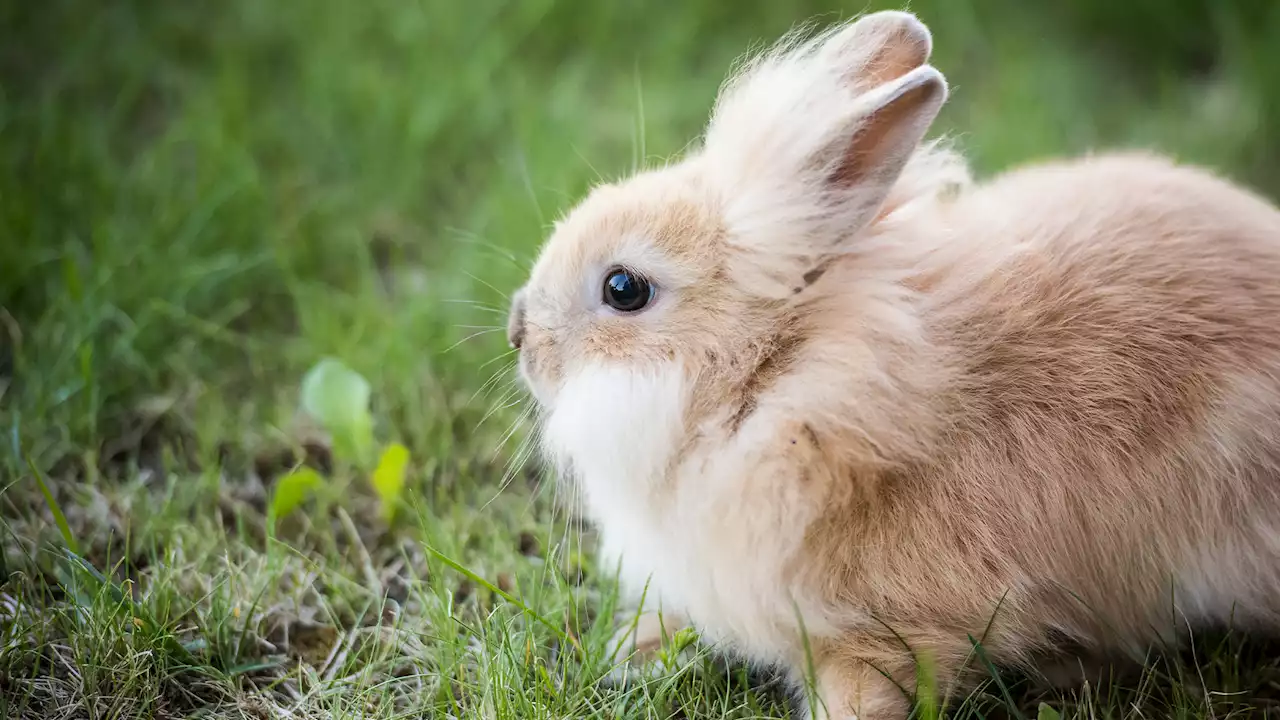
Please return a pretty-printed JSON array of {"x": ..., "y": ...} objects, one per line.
[
  {"x": 355, "y": 441},
  {"x": 292, "y": 489},
  {"x": 669, "y": 653},
  {"x": 338, "y": 397},
  {"x": 333, "y": 392},
  {"x": 683, "y": 638},
  {"x": 388, "y": 478},
  {"x": 1047, "y": 713}
]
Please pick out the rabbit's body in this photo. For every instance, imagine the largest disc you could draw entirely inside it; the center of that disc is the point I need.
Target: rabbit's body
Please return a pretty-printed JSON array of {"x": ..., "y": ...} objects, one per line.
[
  {"x": 1100, "y": 453},
  {"x": 868, "y": 408}
]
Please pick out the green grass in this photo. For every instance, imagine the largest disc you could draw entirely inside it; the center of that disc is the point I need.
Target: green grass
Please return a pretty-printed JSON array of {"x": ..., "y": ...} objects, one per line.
[{"x": 199, "y": 201}]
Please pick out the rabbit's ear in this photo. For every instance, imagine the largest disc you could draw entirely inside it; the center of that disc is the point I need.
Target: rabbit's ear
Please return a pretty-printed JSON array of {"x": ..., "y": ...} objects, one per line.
[
  {"x": 878, "y": 48},
  {"x": 893, "y": 120},
  {"x": 817, "y": 131}
]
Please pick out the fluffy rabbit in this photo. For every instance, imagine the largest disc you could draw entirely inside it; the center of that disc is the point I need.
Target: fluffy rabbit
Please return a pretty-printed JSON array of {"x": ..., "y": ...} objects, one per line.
[{"x": 842, "y": 409}]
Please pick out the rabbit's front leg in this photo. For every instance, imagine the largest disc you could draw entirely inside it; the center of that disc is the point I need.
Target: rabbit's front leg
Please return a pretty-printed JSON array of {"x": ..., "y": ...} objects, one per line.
[
  {"x": 871, "y": 677},
  {"x": 641, "y": 637},
  {"x": 634, "y": 648},
  {"x": 854, "y": 690}
]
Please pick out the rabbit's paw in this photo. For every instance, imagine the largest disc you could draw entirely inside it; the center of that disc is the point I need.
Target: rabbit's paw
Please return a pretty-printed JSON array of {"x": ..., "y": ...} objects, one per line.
[{"x": 648, "y": 645}]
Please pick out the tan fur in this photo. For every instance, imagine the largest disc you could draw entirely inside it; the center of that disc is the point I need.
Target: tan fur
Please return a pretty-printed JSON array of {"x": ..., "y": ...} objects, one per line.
[{"x": 1041, "y": 411}]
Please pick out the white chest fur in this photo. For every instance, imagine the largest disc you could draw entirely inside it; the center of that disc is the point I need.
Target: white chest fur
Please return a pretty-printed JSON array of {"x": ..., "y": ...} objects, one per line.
[{"x": 696, "y": 532}]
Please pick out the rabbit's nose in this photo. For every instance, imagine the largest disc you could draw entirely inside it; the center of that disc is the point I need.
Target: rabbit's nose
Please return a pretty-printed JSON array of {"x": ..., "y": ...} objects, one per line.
[{"x": 515, "y": 321}]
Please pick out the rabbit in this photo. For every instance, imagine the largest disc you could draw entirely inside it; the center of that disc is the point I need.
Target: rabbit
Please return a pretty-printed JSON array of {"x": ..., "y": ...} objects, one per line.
[{"x": 849, "y": 412}]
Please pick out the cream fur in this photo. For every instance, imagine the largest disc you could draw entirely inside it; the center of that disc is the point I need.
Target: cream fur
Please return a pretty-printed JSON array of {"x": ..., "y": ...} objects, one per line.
[
  {"x": 879, "y": 400},
  {"x": 661, "y": 541}
]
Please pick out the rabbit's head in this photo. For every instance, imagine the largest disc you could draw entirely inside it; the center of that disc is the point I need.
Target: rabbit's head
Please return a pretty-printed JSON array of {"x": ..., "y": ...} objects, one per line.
[{"x": 658, "y": 297}]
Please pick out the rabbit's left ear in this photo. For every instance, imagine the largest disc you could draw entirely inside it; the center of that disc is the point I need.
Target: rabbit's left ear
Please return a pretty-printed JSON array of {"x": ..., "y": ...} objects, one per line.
[
  {"x": 892, "y": 121},
  {"x": 875, "y": 49},
  {"x": 819, "y": 131}
]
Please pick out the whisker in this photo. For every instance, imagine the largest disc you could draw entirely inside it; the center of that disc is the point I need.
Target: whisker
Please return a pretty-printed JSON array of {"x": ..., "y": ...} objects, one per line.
[
  {"x": 514, "y": 426},
  {"x": 516, "y": 466},
  {"x": 512, "y": 468},
  {"x": 478, "y": 306},
  {"x": 520, "y": 261},
  {"x": 522, "y": 456},
  {"x": 506, "y": 393},
  {"x": 565, "y": 509},
  {"x": 566, "y": 516},
  {"x": 536, "y": 438},
  {"x": 573, "y": 523},
  {"x": 492, "y": 381},
  {"x": 499, "y": 406},
  {"x": 470, "y": 337},
  {"x": 495, "y": 359},
  {"x": 488, "y": 285},
  {"x": 479, "y": 327},
  {"x": 537, "y": 490},
  {"x": 518, "y": 460}
]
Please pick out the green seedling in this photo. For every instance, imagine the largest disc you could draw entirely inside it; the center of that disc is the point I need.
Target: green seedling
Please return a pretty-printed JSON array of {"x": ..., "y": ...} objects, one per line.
[
  {"x": 683, "y": 639},
  {"x": 1046, "y": 712},
  {"x": 293, "y": 489},
  {"x": 388, "y": 478},
  {"x": 338, "y": 398}
]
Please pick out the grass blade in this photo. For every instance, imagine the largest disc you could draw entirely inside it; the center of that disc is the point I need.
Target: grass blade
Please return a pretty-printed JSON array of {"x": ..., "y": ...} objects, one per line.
[
  {"x": 139, "y": 612},
  {"x": 995, "y": 675},
  {"x": 496, "y": 590},
  {"x": 58, "y": 517}
]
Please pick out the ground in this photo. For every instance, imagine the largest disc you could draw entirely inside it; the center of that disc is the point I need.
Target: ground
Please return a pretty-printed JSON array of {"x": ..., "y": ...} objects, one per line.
[{"x": 199, "y": 201}]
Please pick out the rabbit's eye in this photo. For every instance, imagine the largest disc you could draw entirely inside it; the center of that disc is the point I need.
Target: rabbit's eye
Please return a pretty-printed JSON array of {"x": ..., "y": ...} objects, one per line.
[{"x": 626, "y": 291}]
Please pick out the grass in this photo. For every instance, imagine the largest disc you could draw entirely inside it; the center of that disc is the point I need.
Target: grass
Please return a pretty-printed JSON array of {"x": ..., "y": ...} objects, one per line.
[{"x": 199, "y": 201}]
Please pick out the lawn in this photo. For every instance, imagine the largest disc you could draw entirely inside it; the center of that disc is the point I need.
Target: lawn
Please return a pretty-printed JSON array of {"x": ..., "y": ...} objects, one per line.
[{"x": 200, "y": 201}]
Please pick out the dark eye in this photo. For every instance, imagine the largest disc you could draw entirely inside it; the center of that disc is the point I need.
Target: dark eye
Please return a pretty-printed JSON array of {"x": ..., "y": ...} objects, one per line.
[{"x": 625, "y": 291}]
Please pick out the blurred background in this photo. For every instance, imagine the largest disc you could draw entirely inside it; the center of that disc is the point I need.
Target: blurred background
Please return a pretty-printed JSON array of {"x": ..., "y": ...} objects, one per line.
[{"x": 200, "y": 200}]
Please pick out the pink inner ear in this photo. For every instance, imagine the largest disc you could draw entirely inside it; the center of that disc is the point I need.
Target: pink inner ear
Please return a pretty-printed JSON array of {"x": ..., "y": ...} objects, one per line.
[
  {"x": 878, "y": 139},
  {"x": 883, "y": 47},
  {"x": 902, "y": 51}
]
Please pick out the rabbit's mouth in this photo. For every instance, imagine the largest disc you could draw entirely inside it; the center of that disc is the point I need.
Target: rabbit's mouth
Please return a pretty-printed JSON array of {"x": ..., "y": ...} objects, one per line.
[
  {"x": 540, "y": 368},
  {"x": 526, "y": 366},
  {"x": 532, "y": 349}
]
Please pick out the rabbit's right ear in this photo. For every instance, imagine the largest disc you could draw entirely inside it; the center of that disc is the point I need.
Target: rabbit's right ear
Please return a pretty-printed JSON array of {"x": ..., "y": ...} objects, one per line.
[{"x": 808, "y": 139}]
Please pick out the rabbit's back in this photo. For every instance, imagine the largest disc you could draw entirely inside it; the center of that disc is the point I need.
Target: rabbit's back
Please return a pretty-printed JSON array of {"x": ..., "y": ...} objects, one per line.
[
  {"x": 1114, "y": 426},
  {"x": 1129, "y": 301}
]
